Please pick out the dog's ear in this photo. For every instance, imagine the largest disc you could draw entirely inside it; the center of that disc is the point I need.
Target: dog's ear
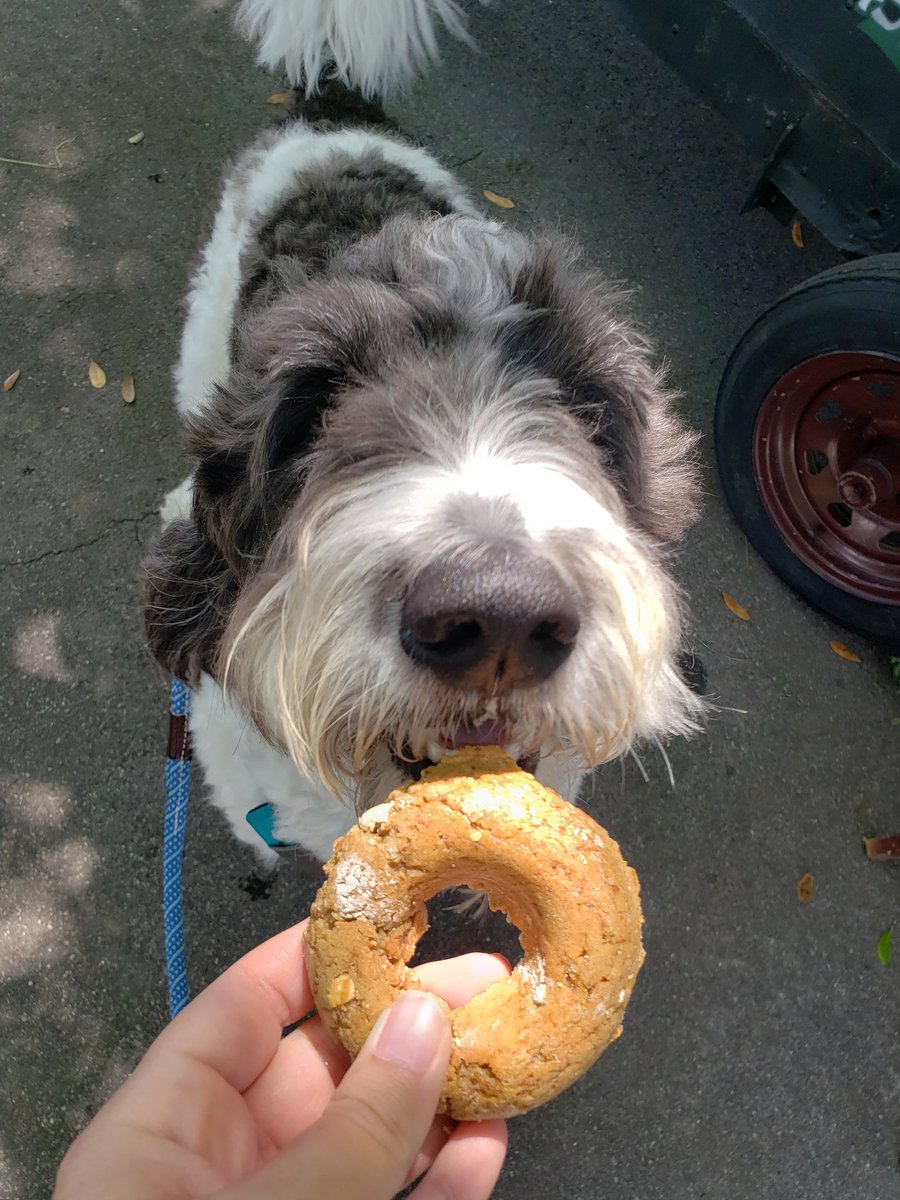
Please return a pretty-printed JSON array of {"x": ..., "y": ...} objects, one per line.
[
  {"x": 252, "y": 428},
  {"x": 249, "y": 442},
  {"x": 294, "y": 419},
  {"x": 569, "y": 329},
  {"x": 188, "y": 595}
]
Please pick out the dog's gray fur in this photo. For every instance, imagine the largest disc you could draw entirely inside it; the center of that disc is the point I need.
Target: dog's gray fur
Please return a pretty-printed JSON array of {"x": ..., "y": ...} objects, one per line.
[{"x": 380, "y": 336}]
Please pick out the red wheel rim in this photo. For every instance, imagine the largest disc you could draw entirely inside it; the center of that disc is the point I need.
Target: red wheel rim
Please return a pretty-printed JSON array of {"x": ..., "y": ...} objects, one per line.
[{"x": 826, "y": 458}]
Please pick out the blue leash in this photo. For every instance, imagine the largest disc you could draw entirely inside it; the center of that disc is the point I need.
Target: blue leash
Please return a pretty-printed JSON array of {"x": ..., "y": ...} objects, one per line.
[{"x": 178, "y": 786}]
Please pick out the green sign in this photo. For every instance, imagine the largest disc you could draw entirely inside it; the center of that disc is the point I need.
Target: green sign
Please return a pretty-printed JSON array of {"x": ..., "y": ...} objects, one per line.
[{"x": 882, "y": 25}]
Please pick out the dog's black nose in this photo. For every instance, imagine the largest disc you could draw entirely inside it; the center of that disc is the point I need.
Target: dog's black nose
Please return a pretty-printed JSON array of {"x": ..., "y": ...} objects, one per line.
[{"x": 495, "y": 621}]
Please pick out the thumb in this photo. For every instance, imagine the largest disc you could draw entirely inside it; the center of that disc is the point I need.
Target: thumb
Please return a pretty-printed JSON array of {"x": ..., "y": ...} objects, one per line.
[{"x": 363, "y": 1145}]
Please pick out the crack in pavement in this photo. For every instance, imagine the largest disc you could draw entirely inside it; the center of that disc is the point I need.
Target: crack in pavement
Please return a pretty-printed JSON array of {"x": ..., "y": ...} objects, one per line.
[
  {"x": 717, "y": 363},
  {"x": 104, "y": 532},
  {"x": 462, "y": 162}
]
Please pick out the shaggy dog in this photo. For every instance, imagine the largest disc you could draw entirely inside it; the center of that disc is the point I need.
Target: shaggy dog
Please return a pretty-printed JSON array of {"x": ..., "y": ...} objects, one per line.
[{"x": 436, "y": 470}]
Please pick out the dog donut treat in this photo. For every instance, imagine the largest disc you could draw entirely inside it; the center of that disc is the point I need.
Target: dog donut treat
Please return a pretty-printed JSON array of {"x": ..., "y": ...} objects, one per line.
[{"x": 477, "y": 819}]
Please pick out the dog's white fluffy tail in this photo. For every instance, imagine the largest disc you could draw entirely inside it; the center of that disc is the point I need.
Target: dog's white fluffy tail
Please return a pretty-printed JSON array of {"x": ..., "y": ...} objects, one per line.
[{"x": 375, "y": 45}]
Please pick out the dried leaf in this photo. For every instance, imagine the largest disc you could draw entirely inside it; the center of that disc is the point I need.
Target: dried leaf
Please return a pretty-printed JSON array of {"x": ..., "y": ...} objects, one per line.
[
  {"x": 127, "y": 389},
  {"x": 805, "y": 888},
  {"x": 136, "y": 138},
  {"x": 885, "y": 946},
  {"x": 735, "y": 606},
  {"x": 883, "y": 848},
  {"x": 797, "y": 233},
  {"x": 96, "y": 375},
  {"x": 843, "y": 651},
  {"x": 278, "y": 98},
  {"x": 11, "y": 380},
  {"x": 500, "y": 201}
]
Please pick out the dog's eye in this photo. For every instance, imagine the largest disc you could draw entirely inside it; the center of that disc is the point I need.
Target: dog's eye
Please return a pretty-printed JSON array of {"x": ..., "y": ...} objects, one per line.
[{"x": 611, "y": 412}]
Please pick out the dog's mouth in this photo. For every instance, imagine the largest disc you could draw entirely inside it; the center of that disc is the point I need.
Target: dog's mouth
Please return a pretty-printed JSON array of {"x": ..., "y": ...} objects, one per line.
[{"x": 490, "y": 732}]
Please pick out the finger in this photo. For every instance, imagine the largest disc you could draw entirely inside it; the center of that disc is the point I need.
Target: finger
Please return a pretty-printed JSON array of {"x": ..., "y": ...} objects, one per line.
[
  {"x": 235, "y": 1025},
  {"x": 307, "y": 1065},
  {"x": 382, "y": 1110},
  {"x": 435, "y": 1140},
  {"x": 457, "y": 980},
  {"x": 469, "y": 1165},
  {"x": 294, "y": 1089}
]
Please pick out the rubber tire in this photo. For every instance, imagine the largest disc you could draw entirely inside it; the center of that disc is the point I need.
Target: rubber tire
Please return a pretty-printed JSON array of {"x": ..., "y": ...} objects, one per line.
[{"x": 855, "y": 306}]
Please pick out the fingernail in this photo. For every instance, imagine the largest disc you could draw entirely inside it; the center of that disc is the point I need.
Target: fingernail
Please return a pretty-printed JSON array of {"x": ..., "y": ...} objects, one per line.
[{"x": 410, "y": 1032}]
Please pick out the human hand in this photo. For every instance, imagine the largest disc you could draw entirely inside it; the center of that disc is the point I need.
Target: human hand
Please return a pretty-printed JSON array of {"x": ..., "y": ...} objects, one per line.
[{"x": 222, "y": 1104}]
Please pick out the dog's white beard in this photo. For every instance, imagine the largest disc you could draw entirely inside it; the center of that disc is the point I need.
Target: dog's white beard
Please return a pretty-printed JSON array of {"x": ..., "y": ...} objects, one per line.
[{"x": 318, "y": 660}]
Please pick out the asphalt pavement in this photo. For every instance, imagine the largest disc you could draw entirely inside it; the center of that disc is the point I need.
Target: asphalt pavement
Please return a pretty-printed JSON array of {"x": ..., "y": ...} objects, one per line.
[{"x": 760, "y": 1050}]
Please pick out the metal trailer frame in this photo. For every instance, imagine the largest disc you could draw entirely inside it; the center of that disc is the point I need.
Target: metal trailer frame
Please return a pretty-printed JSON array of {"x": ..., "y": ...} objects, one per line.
[{"x": 813, "y": 86}]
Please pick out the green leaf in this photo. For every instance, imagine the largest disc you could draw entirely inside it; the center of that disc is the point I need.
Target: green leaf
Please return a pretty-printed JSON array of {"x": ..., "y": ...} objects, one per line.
[
  {"x": 895, "y": 670},
  {"x": 886, "y": 945}
]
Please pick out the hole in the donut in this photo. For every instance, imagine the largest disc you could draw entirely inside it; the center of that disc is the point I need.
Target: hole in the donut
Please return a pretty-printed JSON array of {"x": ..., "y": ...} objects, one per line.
[{"x": 460, "y": 921}]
